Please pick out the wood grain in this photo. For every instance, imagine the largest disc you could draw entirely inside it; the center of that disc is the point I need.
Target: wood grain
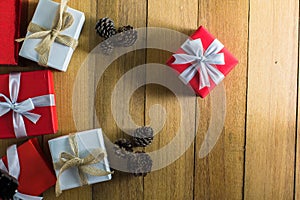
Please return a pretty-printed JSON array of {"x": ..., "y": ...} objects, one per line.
[
  {"x": 64, "y": 89},
  {"x": 123, "y": 12},
  {"x": 257, "y": 155},
  {"x": 297, "y": 172},
  {"x": 271, "y": 100},
  {"x": 220, "y": 174},
  {"x": 176, "y": 180}
]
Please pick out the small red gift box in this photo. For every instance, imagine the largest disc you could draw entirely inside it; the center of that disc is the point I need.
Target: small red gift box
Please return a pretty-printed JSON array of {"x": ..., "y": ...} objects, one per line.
[
  {"x": 10, "y": 13},
  {"x": 27, "y": 104},
  {"x": 36, "y": 174},
  {"x": 202, "y": 61}
]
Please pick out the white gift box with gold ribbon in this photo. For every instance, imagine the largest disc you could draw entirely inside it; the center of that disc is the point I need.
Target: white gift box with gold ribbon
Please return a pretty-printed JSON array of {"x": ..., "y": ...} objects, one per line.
[
  {"x": 44, "y": 16},
  {"x": 86, "y": 142}
]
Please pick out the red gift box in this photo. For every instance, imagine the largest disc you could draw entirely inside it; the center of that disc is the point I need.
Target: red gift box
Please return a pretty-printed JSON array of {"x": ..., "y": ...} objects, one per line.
[
  {"x": 207, "y": 39},
  {"x": 36, "y": 174},
  {"x": 32, "y": 84},
  {"x": 10, "y": 14}
]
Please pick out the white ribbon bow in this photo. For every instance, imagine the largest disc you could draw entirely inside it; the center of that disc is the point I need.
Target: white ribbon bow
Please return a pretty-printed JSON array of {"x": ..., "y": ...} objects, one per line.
[
  {"x": 202, "y": 61},
  {"x": 14, "y": 171},
  {"x": 22, "y": 109}
]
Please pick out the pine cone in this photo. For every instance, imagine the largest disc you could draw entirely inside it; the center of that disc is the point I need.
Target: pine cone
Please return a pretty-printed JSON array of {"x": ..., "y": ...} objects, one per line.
[
  {"x": 139, "y": 163},
  {"x": 126, "y": 36},
  {"x": 125, "y": 144},
  {"x": 8, "y": 186},
  {"x": 107, "y": 47},
  {"x": 122, "y": 148},
  {"x": 143, "y": 136},
  {"x": 105, "y": 27}
]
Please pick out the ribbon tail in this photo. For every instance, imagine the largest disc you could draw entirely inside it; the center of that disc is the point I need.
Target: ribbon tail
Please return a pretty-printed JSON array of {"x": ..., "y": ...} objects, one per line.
[
  {"x": 66, "y": 166},
  {"x": 44, "y": 100},
  {"x": 43, "y": 59},
  {"x": 20, "y": 196},
  {"x": 67, "y": 41},
  {"x": 36, "y": 30},
  {"x": 2, "y": 166},
  {"x": 215, "y": 75},
  {"x": 34, "y": 118},
  {"x": 183, "y": 59},
  {"x": 93, "y": 171},
  {"x": 43, "y": 49},
  {"x": 13, "y": 161},
  {"x": 19, "y": 125},
  {"x": 203, "y": 77},
  {"x": 187, "y": 75},
  {"x": 82, "y": 177}
]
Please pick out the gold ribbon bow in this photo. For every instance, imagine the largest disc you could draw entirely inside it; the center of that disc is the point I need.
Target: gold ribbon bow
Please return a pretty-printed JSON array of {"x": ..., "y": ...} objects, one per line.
[
  {"x": 61, "y": 22},
  {"x": 67, "y": 160}
]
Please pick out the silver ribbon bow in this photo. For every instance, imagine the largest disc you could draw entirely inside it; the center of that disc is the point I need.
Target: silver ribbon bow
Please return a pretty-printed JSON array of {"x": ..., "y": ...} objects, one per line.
[
  {"x": 14, "y": 171},
  {"x": 202, "y": 61},
  {"x": 22, "y": 109}
]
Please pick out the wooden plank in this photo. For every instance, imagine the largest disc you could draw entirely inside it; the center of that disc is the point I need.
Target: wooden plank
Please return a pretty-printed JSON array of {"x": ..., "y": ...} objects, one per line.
[
  {"x": 220, "y": 174},
  {"x": 271, "y": 107},
  {"x": 123, "y": 12},
  {"x": 174, "y": 181},
  {"x": 297, "y": 172},
  {"x": 64, "y": 90}
]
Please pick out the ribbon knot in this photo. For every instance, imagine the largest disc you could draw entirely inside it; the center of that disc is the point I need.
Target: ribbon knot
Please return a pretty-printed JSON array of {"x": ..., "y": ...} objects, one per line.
[
  {"x": 61, "y": 22},
  {"x": 14, "y": 107},
  {"x": 54, "y": 33},
  {"x": 68, "y": 160},
  {"x": 202, "y": 61},
  {"x": 22, "y": 109}
]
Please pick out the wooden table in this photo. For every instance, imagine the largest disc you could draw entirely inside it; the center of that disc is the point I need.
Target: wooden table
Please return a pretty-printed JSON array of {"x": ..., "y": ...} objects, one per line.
[{"x": 257, "y": 154}]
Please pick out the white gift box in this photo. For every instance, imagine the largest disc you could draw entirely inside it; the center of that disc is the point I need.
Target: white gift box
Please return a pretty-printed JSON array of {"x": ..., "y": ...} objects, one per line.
[
  {"x": 87, "y": 141},
  {"x": 60, "y": 55}
]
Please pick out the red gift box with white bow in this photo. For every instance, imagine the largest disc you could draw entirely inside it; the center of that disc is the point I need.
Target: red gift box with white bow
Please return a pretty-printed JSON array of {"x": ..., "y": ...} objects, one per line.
[
  {"x": 202, "y": 62},
  {"x": 27, "y": 104},
  {"x": 28, "y": 165}
]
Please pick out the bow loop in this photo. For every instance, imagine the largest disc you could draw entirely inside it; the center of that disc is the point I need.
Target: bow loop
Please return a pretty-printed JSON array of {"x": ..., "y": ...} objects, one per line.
[
  {"x": 61, "y": 22},
  {"x": 23, "y": 107},
  {"x": 5, "y": 107},
  {"x": 67, "y": 20},
  {"x": 202, "y": 61},
  {"x": 214, "y": 48}
]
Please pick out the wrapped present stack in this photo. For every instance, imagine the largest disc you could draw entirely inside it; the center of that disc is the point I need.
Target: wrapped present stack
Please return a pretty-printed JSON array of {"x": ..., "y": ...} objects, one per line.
[{"x": 28, "y": 107}]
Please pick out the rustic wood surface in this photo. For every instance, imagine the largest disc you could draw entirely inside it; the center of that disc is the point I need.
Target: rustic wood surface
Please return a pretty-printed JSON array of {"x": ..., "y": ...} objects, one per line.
[{"x": 258, "y": 153}]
